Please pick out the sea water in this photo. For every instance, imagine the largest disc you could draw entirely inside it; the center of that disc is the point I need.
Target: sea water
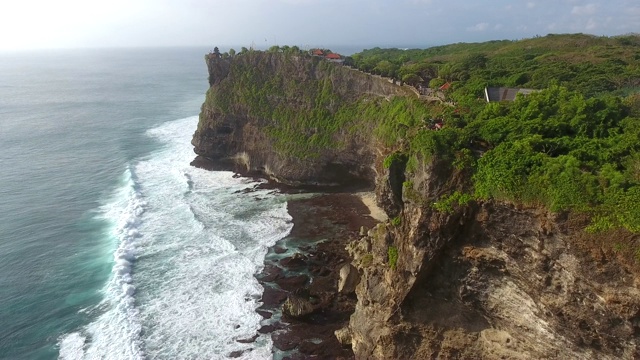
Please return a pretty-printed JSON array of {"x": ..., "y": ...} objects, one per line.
[{"x": 111, "y": 245}]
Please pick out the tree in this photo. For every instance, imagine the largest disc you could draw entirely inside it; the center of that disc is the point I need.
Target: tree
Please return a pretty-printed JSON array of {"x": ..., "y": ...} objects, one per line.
[
  {"x": 295, "y": 50},
  {"x": 385, "y": 68},
  {"x": 412, "y": 79},
  {"x": 475, "y": 61},
  {"x": 232, "y": 52}
]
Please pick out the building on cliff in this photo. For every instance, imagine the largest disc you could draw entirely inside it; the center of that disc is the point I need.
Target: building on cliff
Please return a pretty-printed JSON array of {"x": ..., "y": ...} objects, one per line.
[
  {"x": 333, "y": 57},
  {"x": 215, "y": 54},
  {"x": 492, "y": 94}
]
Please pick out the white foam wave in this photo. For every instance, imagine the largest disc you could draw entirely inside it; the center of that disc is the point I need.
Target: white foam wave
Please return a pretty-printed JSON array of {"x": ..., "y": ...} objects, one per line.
[
  {"x": 189, "y": 243},
  {"x": 116, "y": 331}
]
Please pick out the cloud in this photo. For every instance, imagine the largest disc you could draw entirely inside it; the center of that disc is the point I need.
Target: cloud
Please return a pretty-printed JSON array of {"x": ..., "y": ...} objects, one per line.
[
  {"x": 81, "y": 23},
  {"x": 633, "y": 10},
  {"x": 588, "y": 9},
  {"x": 479, "y": 27}
]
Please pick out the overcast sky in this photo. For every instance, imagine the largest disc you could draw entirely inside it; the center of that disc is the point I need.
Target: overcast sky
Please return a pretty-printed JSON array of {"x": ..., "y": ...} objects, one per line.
[{"x": 31, "y": 24}]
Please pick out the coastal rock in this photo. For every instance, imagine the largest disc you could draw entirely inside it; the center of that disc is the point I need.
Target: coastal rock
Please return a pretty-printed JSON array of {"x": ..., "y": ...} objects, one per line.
[
  {"x": 293, "y": 282},
  {"x": 279, "y": 250},
  {"x": 266, "y": 329},
  {"x": 312, "y": 347},
  {"x": 264, "y": 314},
  {"x": 270, "y": 273},
  {"x": 294, "y": 262},
  {"x": 297, "y": 306},
  {"x": 248, "y": 340},
  {"x": 285, "y": 341},
  {"x": 349, "y": 279},
  {"x": 344, "y": 336},
  {"x": 272, "y": 297}
]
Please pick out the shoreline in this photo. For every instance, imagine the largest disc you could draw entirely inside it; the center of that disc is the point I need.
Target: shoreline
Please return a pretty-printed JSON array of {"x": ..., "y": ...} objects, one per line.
[{"x": 305, "y": 266}]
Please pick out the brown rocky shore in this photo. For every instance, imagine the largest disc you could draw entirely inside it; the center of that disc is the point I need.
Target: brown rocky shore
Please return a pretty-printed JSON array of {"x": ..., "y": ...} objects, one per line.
[{"x": 302, "y": 307}]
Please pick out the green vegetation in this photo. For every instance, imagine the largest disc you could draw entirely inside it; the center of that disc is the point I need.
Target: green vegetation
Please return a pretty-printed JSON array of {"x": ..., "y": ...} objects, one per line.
[
  {"x": 409, "y": 193},
  {"x": 396, "y": 221},
  {"x": 562, "y": 150},
  {"x": 367, "y": 260},
  {"x": 584, "y": 63},
  {"x": 446, "y": 203},
  {"x": 573, "y": 146},
  {"x": 392, "y": 253},
  {"x": 302, "y": 130},
  {"x": 394, "y": 157}
]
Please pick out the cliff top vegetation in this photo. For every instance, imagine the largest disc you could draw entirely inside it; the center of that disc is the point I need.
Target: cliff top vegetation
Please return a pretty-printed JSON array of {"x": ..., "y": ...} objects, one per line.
[{"x": 572, "y": 146}]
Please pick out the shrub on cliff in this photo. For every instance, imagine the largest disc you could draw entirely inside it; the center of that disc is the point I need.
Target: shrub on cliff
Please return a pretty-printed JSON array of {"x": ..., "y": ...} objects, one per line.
[{"x": 567, "y": 152}]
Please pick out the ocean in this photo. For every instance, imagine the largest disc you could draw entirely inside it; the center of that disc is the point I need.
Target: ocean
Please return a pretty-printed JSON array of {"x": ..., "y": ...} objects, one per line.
[{"x": 111, "y": 245}]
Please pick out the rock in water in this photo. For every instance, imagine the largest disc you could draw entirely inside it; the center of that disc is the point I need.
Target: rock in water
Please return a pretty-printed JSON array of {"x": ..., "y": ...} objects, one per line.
[
  {"x": 297, "y": 306},
  {"x": 349, "y": 279}
]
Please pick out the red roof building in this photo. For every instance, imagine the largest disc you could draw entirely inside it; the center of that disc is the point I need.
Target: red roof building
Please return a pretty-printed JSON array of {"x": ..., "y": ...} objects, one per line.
[
  {"x": 317, "y": 52},
  {"x": 446, "y": 86},
  {"x": 333, "y": 56}
]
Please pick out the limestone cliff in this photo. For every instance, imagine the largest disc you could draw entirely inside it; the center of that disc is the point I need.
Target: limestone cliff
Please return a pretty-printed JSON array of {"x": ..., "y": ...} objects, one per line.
[
  {"x": 275, "y": 114},
  {"x": 492, "y": 281},
  {"x": 485, "y": 280}
]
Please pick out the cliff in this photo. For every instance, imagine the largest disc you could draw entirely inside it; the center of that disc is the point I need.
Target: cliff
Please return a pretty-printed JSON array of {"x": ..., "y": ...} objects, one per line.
[
  {"x": 492, "y": 280},
  {"x": 480, "y": 278},
  {"x": 290, "y": 117}
]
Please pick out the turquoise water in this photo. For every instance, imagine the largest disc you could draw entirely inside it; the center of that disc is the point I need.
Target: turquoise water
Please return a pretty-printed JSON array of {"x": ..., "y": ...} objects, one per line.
[{"x": 111, "y": 245}]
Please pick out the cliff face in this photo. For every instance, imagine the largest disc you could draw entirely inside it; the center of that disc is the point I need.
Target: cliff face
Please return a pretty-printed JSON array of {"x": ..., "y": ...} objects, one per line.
[
  {"x": 289, "y": 89},
  {"x": 484, "y": 280},
  {"x": 492, "y": 281}
]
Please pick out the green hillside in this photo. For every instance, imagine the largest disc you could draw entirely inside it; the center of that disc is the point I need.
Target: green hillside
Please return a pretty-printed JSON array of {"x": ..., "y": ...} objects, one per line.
[
  {"x": 584, "y": 63},
  {"x": 571, "y": 146}
]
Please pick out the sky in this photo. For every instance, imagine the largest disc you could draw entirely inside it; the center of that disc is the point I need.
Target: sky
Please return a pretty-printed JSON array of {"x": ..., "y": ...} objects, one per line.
[{"x": 38, "y": 24}]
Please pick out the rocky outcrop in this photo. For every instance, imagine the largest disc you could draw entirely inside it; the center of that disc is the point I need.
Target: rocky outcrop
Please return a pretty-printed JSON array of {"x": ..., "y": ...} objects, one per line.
[
  {"x": 492, "y": 281},
  {"x": 298, "y": 305},
  {"x": 349, "y": 279}
]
